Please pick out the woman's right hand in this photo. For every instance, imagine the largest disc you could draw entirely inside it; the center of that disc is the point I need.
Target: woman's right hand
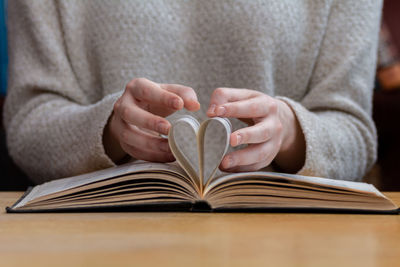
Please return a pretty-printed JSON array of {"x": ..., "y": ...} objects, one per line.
[{"x": 138, "y": 119}]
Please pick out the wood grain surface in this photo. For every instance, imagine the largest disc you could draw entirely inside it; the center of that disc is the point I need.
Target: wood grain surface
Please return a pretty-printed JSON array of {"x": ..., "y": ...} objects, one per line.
[{"x": 197, "y": 239}]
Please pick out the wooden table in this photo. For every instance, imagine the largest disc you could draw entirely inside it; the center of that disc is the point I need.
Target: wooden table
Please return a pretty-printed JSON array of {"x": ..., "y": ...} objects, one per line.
[{"x": 198, "y": 239}]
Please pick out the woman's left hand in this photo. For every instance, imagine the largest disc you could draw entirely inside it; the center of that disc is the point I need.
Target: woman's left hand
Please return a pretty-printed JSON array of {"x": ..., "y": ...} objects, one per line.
[{"x": 274, "y": 135}]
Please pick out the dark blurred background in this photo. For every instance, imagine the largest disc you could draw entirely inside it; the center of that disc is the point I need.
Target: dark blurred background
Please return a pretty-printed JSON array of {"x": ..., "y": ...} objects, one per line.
[
  {"x": 385, "y": 173},
  {"x": 11, "y": 178}
]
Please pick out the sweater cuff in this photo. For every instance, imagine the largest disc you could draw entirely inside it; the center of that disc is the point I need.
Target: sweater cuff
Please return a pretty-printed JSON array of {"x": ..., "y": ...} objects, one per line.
[
  {"x": 103, "y": 111},
  {"x": 307, "y": 121}
]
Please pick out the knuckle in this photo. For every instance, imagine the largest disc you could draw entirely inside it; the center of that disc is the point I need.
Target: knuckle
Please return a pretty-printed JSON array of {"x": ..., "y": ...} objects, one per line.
[
  {"x": 245, "y": 136},
  {"x": 184, "y": 88},
  {"x": 134, "y": 83},
  {"x": 144, "y": 92},
  {"x": 167, "y": 98},
  {"x": 230, "y": 109},
  {"x": 254, "y": 109},
  {"x": 130, "y": 85},
  {"x": 273, "y": 107},
  {"x": 220, "y": 92},
  {"x": 137, "y": 82},
  {"x": 117, "y": 105},
  {"x": 265, "y": 98},
  {"x": 189, "y": 90},
  {"x": 151, "y": 124},
  {"x": 125, "y": 112}
]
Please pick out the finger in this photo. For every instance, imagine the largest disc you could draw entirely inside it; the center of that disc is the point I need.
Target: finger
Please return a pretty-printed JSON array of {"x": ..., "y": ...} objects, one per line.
[
  {"x": 135, "y": 137},
  {"x": 140, "y": 153},
  {"x": 224, "y": 95},
  {"x": 132, "y": 114},
  {"x": 255, "y": 107},
  {"x": 154, "y": 108},
  {"x": 187, "y": 94},
  {"x": 249, "y": 168},
  {"x": 151, "y": 92},
  {"x": 257, "y": 133},
  {"x": 252, "y": 154}
]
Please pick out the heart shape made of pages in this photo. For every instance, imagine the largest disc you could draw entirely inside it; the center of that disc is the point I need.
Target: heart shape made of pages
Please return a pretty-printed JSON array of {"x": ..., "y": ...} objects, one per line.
[{"x": 199, "y": 148}]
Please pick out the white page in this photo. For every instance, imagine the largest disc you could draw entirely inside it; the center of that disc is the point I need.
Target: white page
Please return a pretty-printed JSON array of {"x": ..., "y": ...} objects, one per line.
[
  {"x": 79, "y": 180},
  {"x": 309, "y": 179}
]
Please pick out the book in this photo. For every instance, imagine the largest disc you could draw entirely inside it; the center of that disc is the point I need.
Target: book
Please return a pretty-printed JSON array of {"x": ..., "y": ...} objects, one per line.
[{"x": 193, "y": 183}]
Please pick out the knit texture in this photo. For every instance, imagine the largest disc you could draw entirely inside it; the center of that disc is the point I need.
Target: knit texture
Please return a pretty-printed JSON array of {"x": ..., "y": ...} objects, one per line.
[{"x": 70, "y": 61}]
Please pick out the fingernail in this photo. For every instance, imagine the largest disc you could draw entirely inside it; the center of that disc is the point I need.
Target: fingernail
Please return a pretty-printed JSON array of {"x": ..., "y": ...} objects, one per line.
[
  {"x": 238, "y": 139},
  {"x": 229, "y": 163},
  {"x": 211, "y": 110},
  {"x": 162, "y": 128},
  {"x": 176, "y": 104},
  {"x": 220, "y": 111}
]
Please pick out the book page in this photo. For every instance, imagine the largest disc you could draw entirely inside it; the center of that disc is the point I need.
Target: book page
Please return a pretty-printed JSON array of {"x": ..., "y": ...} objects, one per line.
[
  {"x": 349, "y": 185},
  {"x": 182, "y": 139},
  {"x": 79, "y": 180},
  {"x": 265, "y": 190},
  {"x": 213, "y": 137},
  {"x": 197, "y": 147}
]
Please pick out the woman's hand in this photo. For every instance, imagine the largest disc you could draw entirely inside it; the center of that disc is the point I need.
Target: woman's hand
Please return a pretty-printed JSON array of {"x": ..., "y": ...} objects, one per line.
[
  {"x": 138, "y": 119},
  {"x": 275, "y": 133}
]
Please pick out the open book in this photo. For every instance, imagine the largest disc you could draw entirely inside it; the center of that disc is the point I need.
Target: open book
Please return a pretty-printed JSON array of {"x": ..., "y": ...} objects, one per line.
[{"x": 193, "y": 182}]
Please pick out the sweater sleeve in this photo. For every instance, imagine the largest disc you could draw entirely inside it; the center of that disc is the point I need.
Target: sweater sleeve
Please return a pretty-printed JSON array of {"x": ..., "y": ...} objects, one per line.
[
  {"x": 53, "y": 128},
  {"x": 335, "y": 114}
]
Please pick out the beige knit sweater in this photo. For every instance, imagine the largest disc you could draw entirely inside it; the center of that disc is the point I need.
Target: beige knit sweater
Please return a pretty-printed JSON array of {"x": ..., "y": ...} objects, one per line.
[{"x": 70, "y": 60}]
